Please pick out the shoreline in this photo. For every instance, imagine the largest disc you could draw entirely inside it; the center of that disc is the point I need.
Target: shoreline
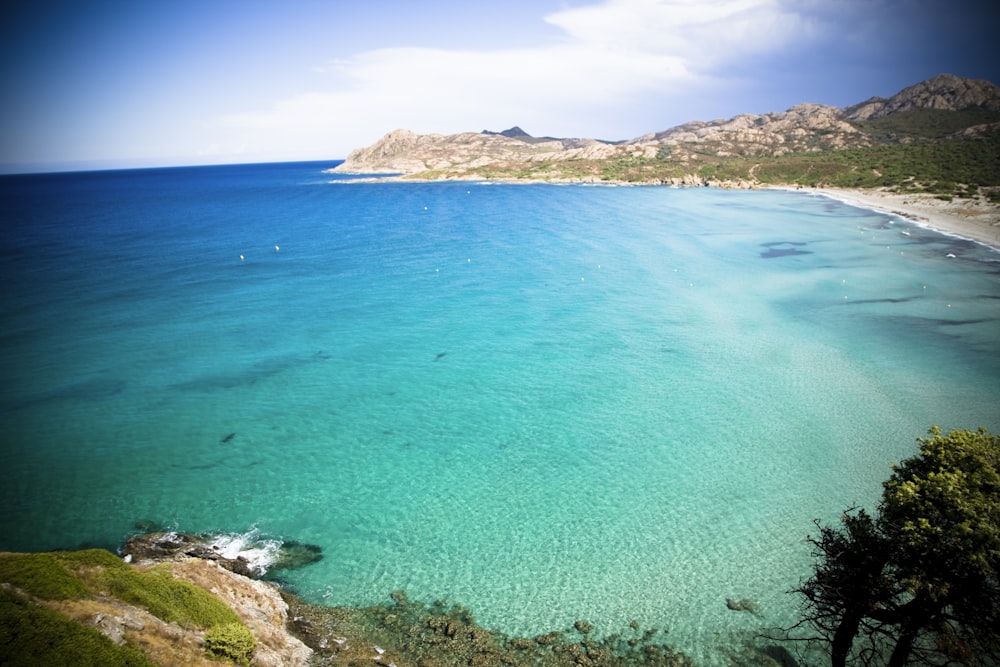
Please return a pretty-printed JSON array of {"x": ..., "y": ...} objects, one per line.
[{"x": 972, "y": 220}]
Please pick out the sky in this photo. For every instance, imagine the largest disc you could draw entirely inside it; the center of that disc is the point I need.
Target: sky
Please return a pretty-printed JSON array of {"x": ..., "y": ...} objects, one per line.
[{"x": 136, "y": 83}]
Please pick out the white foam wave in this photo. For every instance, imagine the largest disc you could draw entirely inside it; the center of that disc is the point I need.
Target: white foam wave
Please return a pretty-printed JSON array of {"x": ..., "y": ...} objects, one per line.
[{"x": 260, "y": 553}]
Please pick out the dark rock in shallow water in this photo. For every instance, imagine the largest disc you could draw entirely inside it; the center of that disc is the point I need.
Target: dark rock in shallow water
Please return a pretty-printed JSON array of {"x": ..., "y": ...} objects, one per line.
[{"x": 293, "y": 555}]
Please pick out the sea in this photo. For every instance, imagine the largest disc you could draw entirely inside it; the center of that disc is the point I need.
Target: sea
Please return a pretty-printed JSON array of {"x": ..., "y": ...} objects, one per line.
[{"x": 546, "y": 403}]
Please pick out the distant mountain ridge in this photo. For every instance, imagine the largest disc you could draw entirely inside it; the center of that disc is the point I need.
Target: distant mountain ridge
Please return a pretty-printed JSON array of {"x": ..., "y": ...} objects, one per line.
[
  {"x": 943, "y": 107},
  {"x": 944, "y": 91}
]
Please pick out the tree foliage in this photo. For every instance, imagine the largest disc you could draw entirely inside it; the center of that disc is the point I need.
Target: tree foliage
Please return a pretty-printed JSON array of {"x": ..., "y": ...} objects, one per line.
[{"x": 918, "y": 583}]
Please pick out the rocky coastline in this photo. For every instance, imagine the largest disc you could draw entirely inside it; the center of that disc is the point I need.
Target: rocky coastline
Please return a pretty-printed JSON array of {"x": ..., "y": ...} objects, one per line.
[
  {"x": 931, "y": 156},
  {"x": 281, "y": 629}
]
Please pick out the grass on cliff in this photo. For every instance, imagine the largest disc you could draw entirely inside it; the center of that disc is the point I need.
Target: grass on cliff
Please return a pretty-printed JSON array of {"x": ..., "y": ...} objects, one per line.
[
  {"x": 86, "y": 574},
  {"x": 42, "y": 575},
  {"x": 82, "y": 574},
  {"x": 31, "y": 635},
  {"x": 166, "y": 598}
]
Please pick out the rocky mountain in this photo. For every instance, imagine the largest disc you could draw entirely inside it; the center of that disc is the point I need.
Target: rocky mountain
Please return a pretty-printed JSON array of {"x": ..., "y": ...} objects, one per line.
[
  {"x": 803, "y": 129},
  {"x": 945, "y": 91},
  {"x": 402, "y": 151}
]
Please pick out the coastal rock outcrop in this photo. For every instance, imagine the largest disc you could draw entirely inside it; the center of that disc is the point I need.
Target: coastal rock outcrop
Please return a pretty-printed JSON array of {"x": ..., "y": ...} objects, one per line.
[
  {"x": 228, "y": 551},
  {"x": 173, "y": 546},
  {"x": 403, "y": 152},
  {"x": 259, "y": 606}
]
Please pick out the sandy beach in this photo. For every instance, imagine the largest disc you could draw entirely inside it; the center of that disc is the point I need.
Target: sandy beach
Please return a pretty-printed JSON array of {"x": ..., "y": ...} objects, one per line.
[{"x": 971, "y": 219}]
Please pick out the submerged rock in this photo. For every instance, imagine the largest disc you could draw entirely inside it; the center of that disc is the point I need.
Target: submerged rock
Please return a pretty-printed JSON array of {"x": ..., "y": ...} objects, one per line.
[
  {"x": 743, "y": 605},
  {"x": 293, "y": 555}
]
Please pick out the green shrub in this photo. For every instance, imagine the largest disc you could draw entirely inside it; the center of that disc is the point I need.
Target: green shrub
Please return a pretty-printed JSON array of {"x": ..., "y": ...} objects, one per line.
[
  {"x": 91, "y": 558},
  {"x": 41, "y": 575},
  {"x": 231, "y": 641},
  {"x": 32, "y": 635},
  {"x": 167, "y": 598}
]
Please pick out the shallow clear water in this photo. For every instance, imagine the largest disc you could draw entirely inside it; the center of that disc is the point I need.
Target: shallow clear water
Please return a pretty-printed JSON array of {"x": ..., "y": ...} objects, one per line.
[{"x": 543, "y": 402}]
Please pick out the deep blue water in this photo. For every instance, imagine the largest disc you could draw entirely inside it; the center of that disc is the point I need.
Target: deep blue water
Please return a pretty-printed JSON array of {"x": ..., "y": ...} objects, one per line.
[{"x": 543, "y": 402}]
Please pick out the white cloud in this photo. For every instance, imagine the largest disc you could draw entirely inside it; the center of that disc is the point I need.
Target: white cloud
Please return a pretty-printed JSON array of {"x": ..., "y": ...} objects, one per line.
[
  {"x": 613, "y": 58},
  {"x": 702, "y": 33}
]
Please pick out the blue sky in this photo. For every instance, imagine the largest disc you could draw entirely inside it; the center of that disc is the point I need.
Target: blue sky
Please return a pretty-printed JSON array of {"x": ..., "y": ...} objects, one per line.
[{"x": 138, "y": 83}]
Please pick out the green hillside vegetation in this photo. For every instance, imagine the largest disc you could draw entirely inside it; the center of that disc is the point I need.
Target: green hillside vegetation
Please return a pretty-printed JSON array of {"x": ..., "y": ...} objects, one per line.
[
  {"x": 925, "y": 150},
  {"x": 81, "y": 575},
  {"x": 948, "y": 167},
  {"x": 926, "y": 123}
]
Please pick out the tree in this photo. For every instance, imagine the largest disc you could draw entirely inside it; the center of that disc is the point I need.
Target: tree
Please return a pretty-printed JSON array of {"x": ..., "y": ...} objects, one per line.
[{"x": 918, "y": 583}]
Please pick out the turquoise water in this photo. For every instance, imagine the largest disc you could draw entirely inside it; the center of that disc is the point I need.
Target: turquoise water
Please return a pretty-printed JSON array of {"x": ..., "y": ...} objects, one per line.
[{"x": 546, "y": 403}]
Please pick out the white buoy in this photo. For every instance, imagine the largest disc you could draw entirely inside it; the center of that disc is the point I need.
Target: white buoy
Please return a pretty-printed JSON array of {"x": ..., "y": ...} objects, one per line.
[
  {"x": 276, "y": 248},
  {"x": 950, "y": 254},
  {"x": 241, "y": 258}
]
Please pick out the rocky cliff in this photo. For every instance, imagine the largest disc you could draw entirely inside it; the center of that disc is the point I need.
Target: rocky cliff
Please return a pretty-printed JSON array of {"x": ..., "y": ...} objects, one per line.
[{"x": 803, "y": 129}]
